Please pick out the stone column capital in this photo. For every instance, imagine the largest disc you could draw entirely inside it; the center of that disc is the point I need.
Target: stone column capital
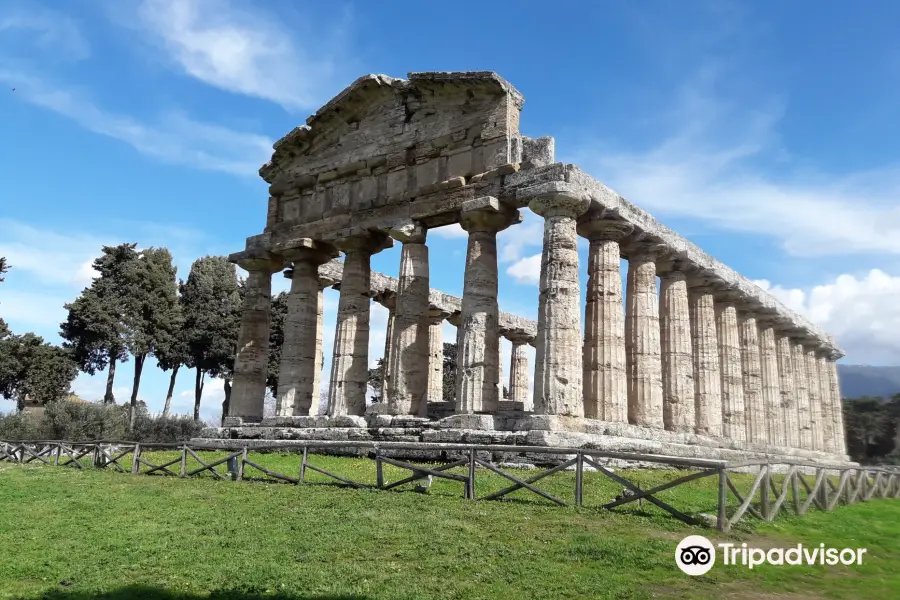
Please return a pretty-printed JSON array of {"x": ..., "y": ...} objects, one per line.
[
  {"x": 599, "y": 229},
  {"x": 386, "y": 298},
  {"x": 487, "y": 214},
  {"x": 639, "y": 250},
  {"x": 370, "y": 242},
  {"x": 559, "y": 199},
  {"x": 263, "y": 263},
  {"x": 308, "y": 250},
  {"x": 518, "y": 338},
  {"x": 437, "y": 315},
  {"x": 409, "y": 232}
]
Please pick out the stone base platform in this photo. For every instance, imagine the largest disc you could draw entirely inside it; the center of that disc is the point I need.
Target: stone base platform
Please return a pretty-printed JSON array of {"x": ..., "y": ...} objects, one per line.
[{"x": 510, "y": 429}]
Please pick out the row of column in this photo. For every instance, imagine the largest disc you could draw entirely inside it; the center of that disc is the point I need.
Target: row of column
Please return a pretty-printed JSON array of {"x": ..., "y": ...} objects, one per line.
[{"x": 686, "y": 358}]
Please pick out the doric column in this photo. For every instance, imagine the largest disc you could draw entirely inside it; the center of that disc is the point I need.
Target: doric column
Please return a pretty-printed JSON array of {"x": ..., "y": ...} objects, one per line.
[
  {"x": 389, "y": 301},
  {"x": 478, "y": 343},
  {"x": 754, "y": 408},
  {"x": 518, "y": 371},
  {"x": 679, "y": 412},
  {"x": 734, "y": 423},
  {"x": 815, "y": 399},
  {"x": 436, "y": 318},
  {"x": 605, "y": 381},
  {"x": 408, "y": 369},
  {"x": 297, "y": 377},
  {"x": 704, "y": 343},
  {"x": 500, "y": 384},
  {"x": 320, "y": 354},
  {"x": 788, "y": 416},
  {"x": 350, "y": 362},
  {"x": 642, "y": 351},
  {"x": 840, "y": 439},
  {"x": 251, "y": 359},
  {"x": 828, "y": 439},
  {"x": 771, "y": 393},
  {"x": 557, "y": 376},
  {"x": 801, "y": 395}
]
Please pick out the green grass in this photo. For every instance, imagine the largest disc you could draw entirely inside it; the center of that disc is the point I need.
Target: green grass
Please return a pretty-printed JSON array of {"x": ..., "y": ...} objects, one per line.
[{"x": 77, "y": 535}]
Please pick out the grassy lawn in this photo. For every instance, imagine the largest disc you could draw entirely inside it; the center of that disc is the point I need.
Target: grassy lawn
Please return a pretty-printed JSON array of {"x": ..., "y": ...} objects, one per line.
[{"x": 78, "y": 535}]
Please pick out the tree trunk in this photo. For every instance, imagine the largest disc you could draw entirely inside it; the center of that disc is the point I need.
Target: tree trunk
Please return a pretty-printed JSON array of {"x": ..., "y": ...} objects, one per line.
[
  {"x": 227, "y": 401},
  {"x": 198, "y": 392},
  {"x": 138, "y": 368},
  {"x": 108, "y": 397},
  {"x": 171, "y": 391}
]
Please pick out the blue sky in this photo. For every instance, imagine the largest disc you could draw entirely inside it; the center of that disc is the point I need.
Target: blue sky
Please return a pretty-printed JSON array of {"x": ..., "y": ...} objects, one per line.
[{"x": 763, "y": 131}]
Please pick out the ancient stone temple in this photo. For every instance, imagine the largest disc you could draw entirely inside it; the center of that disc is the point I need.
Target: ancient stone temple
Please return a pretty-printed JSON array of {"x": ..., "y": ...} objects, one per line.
[{"x": 689, "y": 359}]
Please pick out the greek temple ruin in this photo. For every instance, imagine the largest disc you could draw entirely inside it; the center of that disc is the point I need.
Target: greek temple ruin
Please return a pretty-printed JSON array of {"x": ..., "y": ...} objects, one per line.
[{"x": 689, "y": 359}]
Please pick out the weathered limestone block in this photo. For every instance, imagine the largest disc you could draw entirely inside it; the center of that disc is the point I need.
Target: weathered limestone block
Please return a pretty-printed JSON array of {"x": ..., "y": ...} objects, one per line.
[
  {"x": 350, "y": 364},
  {"x": 814, "y": 390},
  {"x": 771, "y": 395},
  {"x": 734, "y": 423},
  {"x": 558, "y": 372},
  {"x": 801, "y": 395},
  {"x": 316, "y": 407},
  {"x": 518, "y": 371},
  {"x": 788, "y": 413},
  {"x": 478, "y": 342},
  {"x": 827, "y": 403},
  {"x": 436, "y": 354},
  {"x": 408, "y": 369},
  {"x": 251, "y": 359},
  {"x": 605, "y": 379},
  {"x": 679, "y": 412},
  {"x": 642, "y": 347},
  {"x": 707, "y": 377},
  {"x": 754, "y": 407},
  {"x": 298, "y": 393},
  {"x": 500, "y": 384},
  {"x": 840, "y": 438}
]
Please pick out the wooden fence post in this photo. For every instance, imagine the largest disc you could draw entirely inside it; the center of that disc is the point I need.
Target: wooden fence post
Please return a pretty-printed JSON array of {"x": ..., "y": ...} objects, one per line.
[
  {"x": 136, "y": 463},
  {"x": 470, "y": 484},
  {"x": 379, "y": 470},
  {"x": 722, "y": 512},
  {"x": 240, "y": 473},
  {"x": 302, "y": 475},
  {"x": 579, "y": 479},
  {"x": 58, "y": 451},
  {"x": 764, "y": 492}
]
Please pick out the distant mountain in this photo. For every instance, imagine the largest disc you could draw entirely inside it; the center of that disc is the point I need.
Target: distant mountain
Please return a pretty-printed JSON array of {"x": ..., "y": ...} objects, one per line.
[{"x": 865, "y": 380}]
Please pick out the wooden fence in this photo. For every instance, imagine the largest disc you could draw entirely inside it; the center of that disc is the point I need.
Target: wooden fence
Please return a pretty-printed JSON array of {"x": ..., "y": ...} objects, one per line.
[{"x": 767, "y": 497}]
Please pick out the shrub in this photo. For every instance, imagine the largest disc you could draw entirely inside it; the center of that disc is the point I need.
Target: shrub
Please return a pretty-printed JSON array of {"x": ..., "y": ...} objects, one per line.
[{"x": 91, "y": 421}]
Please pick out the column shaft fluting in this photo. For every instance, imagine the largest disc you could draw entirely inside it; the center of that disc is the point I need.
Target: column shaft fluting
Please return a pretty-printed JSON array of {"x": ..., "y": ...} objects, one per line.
[
  {"x": 815, "y": 400},
  {"x": 788, "y": 415},
  {"x": 408, "y": 369},
  {"x": 316, "y": 407},
  {"x": 350, "y": 363},
  {"x": 604, "y": 366},
  {"x": 642, "y": 349},
  {"x": 297, "y": 379},
  {"x": 734, "y": 423},
  {"x": 754, "y": 407},
  {"x": 500, "y": 383},
  {"x": 840, "y": 439},
  {"x": 386, "y": 357},
  {"x": 707, "y": 377},
  {"x": 771, "y": 394},
  {"x": 679, "y": 411},
  {"x": 828, "y": 440},
  {"x": 436, "y": 355},
  {"x": 801, "y": 395},
  {"x": 558, "y": 372},
  {"x": 251, "y": 359},
  {"x": 478, "y": 335},
  {"x": 518, "y": 374}
]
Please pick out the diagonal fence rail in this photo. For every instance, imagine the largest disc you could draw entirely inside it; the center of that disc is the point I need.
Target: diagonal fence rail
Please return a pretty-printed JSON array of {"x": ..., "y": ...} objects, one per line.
[{"x": 777, "y": 487}]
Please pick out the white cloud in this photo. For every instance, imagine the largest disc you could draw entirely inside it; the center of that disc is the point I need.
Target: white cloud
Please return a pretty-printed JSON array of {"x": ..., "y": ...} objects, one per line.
[
  {"x": 51, "y": 32},
  {"x": 526, "y": 270},
  {"x": 245, "y": 50},
  {"x": 450, "y": 232},
  {"x": 514, "y": 240},
  {"x": 50, "y": 257},
  {"x": 861, "y": 311},
  {"x": 708, "y": 165},
  {"x": 173, "y": 138},
  {"x": 32, "y": 310}
]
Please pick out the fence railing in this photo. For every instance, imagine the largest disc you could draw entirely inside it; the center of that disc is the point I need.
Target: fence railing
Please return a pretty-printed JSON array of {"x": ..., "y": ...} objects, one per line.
[{"x": 766, "y": 498}]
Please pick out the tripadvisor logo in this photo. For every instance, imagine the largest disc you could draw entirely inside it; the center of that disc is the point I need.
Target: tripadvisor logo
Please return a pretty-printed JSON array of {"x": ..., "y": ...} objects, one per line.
[{"x": 696, "y": 555}]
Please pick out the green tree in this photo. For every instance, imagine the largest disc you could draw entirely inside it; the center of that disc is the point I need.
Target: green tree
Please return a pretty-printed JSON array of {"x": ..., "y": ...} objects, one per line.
[
  {"x": 150, "y": 296},
  {"x": 211, "y": 305},
  {"x": 95, "y": 326},
  {"x": 276, "y": 340},
  {"x": 4, "y": 267},
  {"x": 376, "y": 380},
  {"x": 868, "y": 428},
  {"x": 171, "y": 350},
  {"x": 449, "y": 379},
  {"x": 31, "y": 368}
]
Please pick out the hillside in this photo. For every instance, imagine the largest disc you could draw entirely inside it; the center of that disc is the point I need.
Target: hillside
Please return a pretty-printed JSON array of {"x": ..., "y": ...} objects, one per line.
[{"x": 865, "y": 380}]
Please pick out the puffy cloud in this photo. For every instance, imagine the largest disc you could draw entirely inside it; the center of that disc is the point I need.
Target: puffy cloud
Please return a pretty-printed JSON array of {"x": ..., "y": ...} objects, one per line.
[
  {"x": 861, "y": 311},
  {"x": 526, "y": 270}
]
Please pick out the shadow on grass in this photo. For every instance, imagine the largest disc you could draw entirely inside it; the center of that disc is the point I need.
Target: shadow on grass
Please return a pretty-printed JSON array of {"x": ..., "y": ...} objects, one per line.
[{"x": 144, "y": 592}]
